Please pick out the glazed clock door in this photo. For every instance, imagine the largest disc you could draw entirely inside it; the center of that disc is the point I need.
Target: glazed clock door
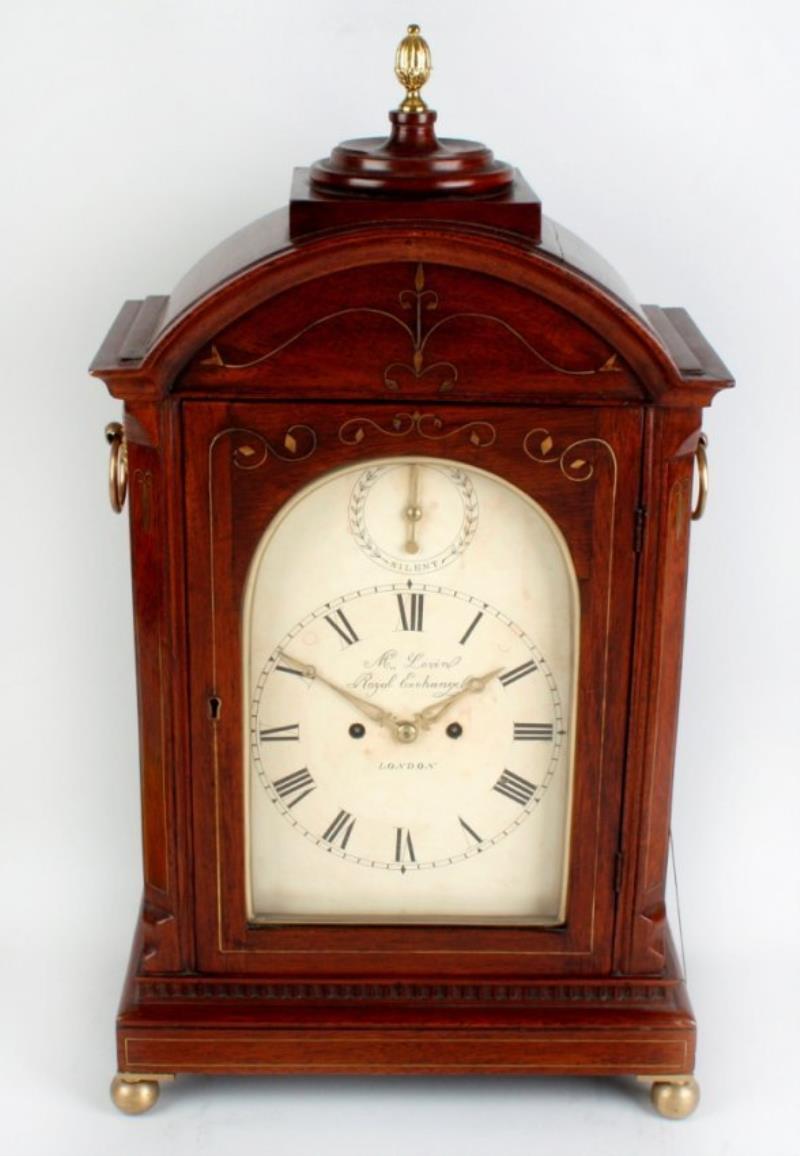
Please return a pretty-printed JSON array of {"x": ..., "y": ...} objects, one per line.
[
  {"x": 410, "y": 652},
  {"x": 409, "y": 701}
]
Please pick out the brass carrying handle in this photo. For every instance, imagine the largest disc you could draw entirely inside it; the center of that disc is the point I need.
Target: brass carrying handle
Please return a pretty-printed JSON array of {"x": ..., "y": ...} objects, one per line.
[
  {"x": 117, "y": 466},
  {"x": 702, "y": 478}
]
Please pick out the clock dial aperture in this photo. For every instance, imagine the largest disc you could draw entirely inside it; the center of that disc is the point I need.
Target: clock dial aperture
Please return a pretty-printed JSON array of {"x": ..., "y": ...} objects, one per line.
[{"x": 410, "y": 662}]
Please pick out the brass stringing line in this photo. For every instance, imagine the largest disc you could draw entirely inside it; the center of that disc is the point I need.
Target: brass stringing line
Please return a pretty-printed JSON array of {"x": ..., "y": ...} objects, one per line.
[
  {"x": 267, "y": 449},
  {"x": 677, "y": 902},
  {"x": 163, "y": 748},
  {"x": 585, "y": 477},
  {"x": 485, "y": 425},
  {"x": 396, "y": 432},
  {"x": 214, "y": 752},
  {"x": 515, "y": 333},
  {"x": 676, "y": 495},
  {"x": 250, "y": 466},
  {"x": 418, "y": 341},
  {"x": 313, "y": 951},
  {"x": 284, "y": 1037},
  {"x": 419, "y": 373},
  {"x": 235, "y": 951},
  {"x": 313, "y": 325},
  {"x": 407, "y": 423},
  {"x": 419, "y": 294}
]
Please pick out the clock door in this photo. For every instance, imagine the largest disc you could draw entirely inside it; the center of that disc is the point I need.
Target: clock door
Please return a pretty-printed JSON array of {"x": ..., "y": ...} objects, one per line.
[
  {"x": 410, "y": 662},
  {"x": 409, "y": 701}
]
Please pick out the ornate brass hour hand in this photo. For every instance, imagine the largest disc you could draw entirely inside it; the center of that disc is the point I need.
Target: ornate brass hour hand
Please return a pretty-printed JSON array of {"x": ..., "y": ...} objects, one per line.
[
  {"x": 370, "y": 709},
  {"x": 435, "y": 711}
]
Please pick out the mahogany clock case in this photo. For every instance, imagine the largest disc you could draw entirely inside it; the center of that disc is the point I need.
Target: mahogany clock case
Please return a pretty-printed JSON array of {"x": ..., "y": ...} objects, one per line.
[
  {"x": 412, "y": 301},
  {"x": 274, "y": 362}
]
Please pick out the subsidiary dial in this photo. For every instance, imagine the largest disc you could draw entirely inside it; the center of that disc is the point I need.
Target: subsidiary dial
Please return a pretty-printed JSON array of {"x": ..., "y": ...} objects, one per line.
[{"x": 413, "y": 516}]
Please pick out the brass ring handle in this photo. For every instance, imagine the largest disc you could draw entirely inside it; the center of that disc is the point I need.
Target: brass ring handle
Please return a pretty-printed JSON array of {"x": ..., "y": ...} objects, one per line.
[
  {"x": 702, "y": 478},
  {"x": 117, "y": 466}
]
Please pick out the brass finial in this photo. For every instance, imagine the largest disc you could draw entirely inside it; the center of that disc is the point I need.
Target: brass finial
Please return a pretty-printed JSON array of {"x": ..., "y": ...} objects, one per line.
[{"x": 412, "y": 67}]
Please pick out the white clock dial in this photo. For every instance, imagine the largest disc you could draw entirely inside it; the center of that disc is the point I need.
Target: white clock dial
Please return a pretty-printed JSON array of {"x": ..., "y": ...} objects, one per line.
[
  {"x": 410, "y": 740},
  {"x": 390, "y": 743}
]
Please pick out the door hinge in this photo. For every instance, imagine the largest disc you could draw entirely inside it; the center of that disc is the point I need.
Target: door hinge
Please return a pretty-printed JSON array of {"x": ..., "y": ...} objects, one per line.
[
  {"x": 619, "y": 859},
  {"x": 639, "y": 516}
]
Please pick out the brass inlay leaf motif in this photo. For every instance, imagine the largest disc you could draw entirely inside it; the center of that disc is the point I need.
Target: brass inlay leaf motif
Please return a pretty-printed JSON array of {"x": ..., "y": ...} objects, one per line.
[
  {"x": 538, "y": 445},
  {"x": 427, "y": 425},
  {"x": 419, "y": 301},
  {"x": 252, "y": 449},
  {"x": 214, "y": 357}
]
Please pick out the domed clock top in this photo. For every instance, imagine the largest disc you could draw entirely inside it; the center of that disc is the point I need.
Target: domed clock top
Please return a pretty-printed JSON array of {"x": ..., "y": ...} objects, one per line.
[{"x": 410, "y": 475}]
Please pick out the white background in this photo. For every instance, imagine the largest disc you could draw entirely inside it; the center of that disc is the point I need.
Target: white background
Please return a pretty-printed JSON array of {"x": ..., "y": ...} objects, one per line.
[{"x": 137, "y": 134}]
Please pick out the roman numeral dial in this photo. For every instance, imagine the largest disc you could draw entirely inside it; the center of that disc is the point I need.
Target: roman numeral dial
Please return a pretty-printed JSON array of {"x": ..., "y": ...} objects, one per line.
[{"x": 404, "y": 726}]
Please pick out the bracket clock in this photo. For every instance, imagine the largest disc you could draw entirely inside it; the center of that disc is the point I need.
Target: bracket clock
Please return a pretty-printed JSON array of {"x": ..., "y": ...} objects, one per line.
[{"x": 410, "y": 478}]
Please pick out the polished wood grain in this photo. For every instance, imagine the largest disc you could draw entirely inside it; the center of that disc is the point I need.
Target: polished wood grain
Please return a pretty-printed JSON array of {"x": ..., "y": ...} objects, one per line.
[
  {"x": 268, "y": 333},
  {"x": 516, "y": 209},
  {"x": 262, "y": 264},
  {"x": 412, "y": 163},
  {"x": 597, "y": 519}
]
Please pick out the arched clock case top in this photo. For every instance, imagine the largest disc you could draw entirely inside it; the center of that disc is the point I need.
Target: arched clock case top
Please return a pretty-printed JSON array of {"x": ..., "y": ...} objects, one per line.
[
  {"x": 420, "y": 329},
  {"x": 467, "y": 332}
]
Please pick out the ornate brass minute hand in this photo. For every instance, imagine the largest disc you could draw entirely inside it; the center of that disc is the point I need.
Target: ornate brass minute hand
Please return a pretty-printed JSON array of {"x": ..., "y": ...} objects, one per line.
[
  {"x": 436, "y": 709},
  {"x": 370, "y": 709}
]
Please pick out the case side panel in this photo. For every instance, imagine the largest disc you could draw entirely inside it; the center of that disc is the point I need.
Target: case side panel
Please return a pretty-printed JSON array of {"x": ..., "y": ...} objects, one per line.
[
  {"x": 667, "y": 498},
  {"x": 155, "y": 672}
]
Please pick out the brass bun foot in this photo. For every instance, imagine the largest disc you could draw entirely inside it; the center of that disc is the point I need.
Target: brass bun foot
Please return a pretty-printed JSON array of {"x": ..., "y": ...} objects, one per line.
[
  {"x": 674, "y": 1097},
  {"x": 134, "y": 1094}
]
